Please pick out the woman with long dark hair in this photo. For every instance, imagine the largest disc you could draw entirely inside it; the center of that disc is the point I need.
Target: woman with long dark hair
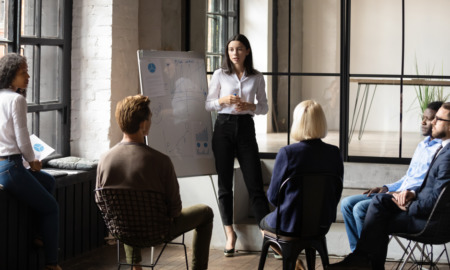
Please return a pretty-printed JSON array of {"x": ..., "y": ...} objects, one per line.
[
  {"x": 32, "y": 186},
  {"x": 232, "y": 93}
]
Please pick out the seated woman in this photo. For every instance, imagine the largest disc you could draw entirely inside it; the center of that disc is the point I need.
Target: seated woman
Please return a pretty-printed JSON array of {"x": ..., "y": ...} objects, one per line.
[
  {"x": 309, "y": 155},
  {"x": 32, "y": 185}
]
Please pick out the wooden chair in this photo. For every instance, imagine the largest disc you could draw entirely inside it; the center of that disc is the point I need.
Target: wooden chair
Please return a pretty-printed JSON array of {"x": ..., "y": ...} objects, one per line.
[
  {"x": 435, "y": 232},
  {"x": 314, "y": 202},
  {"x": 137, "y": 218}
]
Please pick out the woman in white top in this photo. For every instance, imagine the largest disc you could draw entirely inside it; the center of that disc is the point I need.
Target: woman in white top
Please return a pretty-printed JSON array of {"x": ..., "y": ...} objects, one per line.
[
  {"x": 31, "y": 186},
  {"x": 232, "y": 92}
]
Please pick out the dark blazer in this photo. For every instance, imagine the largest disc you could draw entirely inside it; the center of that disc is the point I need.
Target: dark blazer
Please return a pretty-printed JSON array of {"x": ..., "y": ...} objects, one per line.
[
  {"x": 437, "y": 177},
  {"x": 308, "y": 156}
]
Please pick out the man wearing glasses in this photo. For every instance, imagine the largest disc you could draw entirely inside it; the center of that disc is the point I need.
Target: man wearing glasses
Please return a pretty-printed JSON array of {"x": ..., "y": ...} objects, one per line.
[
  {"x": 404, "y": 212},
  {"x": 354, "y": 208}
]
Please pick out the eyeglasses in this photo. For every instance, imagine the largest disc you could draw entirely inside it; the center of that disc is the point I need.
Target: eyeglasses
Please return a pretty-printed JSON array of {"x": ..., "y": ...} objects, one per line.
[{"x": 440, "y": 119}]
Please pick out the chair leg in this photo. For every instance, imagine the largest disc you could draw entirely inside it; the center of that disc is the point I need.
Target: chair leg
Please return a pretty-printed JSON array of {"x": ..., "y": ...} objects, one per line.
[
  {"x": 311, "y": 258},
  {"x": 264, "y": 250}
]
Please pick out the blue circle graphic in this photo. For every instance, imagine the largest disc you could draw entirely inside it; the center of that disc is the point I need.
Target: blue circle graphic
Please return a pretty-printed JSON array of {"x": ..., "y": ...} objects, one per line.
[
  {"x": 151, "y": 67},
  {"x": 38, "y": 147}
]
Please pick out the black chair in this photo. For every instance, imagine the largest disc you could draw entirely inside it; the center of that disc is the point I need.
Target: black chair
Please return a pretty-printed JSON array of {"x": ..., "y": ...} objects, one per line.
[
  {"x": 137, "y": 218},
  {"x": 319, "y": 192},
  {"x": 435, "y": 232}
]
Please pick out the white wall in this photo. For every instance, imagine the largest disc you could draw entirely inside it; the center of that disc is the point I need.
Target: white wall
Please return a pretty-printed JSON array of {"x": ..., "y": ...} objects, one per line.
[{"x": 91, "y": 77}]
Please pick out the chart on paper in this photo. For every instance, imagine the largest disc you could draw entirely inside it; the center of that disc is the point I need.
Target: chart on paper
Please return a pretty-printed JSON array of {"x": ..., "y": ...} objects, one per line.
[{"x": 181, "y": 128}]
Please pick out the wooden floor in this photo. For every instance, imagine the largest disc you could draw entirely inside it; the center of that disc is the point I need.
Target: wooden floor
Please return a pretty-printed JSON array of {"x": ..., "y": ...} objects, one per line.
[{"x": 173, "y": 259}]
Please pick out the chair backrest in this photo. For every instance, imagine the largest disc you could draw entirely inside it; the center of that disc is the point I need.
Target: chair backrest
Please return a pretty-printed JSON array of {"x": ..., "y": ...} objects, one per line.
[
  {"x": 318, "y": 199},
  {"x": 137, "y": 218},
  {"x": 437, "y": 228}
]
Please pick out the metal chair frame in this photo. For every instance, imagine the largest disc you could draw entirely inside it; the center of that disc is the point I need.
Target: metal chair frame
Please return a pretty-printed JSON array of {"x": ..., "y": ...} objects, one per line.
[
  {"x": 292, "y": 246},
  {"x": 430, "y": 236},
  {"x": 137, "y": 218}
]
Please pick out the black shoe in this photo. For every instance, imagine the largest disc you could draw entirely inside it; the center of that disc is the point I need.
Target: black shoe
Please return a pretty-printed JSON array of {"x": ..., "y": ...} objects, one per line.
[
  {"x": 352, "y": 261},
  {"x": 230, "y": 252}
]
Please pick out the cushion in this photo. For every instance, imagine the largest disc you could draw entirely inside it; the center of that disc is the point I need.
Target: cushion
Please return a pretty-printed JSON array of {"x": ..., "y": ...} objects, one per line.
[{"x": 73, "y": 163}]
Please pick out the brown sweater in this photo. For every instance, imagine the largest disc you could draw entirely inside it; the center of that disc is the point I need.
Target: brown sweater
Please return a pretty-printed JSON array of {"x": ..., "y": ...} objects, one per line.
[{"x": 138, "y": 166}]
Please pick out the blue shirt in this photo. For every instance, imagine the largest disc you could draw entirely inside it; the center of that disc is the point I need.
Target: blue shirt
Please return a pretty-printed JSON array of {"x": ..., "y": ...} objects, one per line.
[{"x": 419, "y": 165}]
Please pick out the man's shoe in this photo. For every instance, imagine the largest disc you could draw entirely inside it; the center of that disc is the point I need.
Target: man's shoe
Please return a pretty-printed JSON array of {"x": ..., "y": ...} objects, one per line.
[{"x": 352, "y": 262}]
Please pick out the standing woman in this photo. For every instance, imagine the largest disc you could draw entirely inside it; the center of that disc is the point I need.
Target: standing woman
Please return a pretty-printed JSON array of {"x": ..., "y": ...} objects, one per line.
[
  {"x": 232, "y": 92},
  {"x": 31, "y": 186}
]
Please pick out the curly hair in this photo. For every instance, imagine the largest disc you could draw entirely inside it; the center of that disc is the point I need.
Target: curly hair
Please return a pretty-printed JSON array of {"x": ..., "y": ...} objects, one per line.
[
  {"x": 9, "y": 65},
  {"x": 131, "y": 111}
]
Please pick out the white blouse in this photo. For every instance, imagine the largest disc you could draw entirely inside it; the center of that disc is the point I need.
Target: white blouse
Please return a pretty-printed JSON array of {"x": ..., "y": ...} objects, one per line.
[
  {"x": 14, "y": 136},
  {"x": 247, "y": 88}
]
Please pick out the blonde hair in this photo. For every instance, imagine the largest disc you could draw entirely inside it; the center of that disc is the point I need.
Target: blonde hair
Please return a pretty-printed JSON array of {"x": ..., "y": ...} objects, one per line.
[{"x": 309, "y": 121}]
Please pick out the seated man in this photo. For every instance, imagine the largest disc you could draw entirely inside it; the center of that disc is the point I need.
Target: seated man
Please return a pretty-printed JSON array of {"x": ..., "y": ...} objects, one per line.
[
  {"x": 354, "y": 207},
  {"x": 133, "y": 164},
  {"x": 404, "y": 212}
]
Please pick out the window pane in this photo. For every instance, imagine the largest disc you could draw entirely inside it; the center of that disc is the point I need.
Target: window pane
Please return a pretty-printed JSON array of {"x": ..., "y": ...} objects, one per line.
[
  {"x": 49, "y": 127},
  {"x": 30, "y": 121},
  {"x": 28, "y": 18},
  {"x": 374, "y": 119},
  {"x": 315, "y": 36},
  {"x": 325, "y": 91},
  {"x": 412, "y": 114},
  {"x": 426, "y": 47},
  {"x": 215, "y": 5},
  {"x": 28, "y": 52},
  {"x": 3, "y": 49},
  {"x": 50, "y": 18},
  {"x": 271, "y": 129},
  {"x": 3, "y": 20},
  {"x": 213, "y": 62},
  {"x": 215, "y": 40},
  {"x": 376, "y": 37},
  {"x": 50, "y": 74}
]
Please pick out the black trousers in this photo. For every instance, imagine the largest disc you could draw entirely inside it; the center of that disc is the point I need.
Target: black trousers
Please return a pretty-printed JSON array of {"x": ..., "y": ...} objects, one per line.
[
  {"x": 383, "y": 217},
  {"x": 234, "y": 136}
]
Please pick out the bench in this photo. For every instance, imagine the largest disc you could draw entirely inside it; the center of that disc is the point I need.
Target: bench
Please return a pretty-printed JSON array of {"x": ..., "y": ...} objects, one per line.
[{"x": 81, "y": 225}]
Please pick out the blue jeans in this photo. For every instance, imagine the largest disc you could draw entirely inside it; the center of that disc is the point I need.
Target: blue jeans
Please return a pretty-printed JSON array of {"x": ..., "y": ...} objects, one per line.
[
  {"x": 35, "y": 189},
  {"x": 354, "y": 209}
]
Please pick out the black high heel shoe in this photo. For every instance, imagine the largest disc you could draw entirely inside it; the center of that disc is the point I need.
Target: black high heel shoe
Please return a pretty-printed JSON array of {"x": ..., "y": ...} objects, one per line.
[{"x": 230, "y": 252}]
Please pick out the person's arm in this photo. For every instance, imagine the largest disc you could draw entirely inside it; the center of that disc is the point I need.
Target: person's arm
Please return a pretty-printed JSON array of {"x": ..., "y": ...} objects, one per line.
[
  {"x": 278, "y": 176},
  {"x": 261, "y": 106},
  {"x": 423, "y": 205},
  {"x": 19, "y": 116},
  {"x": 173, "y": 198}
]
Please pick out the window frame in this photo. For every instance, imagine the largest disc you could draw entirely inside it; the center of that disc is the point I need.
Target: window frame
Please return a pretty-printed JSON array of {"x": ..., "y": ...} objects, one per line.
[{"x": 15, "y": 40}]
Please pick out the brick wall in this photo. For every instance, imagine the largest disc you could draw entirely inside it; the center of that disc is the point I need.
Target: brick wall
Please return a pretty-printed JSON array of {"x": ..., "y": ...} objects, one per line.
[{"x": 104, "y": 70}]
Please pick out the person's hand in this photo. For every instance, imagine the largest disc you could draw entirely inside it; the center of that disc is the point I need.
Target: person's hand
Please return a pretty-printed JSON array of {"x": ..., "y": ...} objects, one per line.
[
  {"x": 376, "y": 190},
  {"x": 35, "y": 165},
  {"x": 229, "y": 100},
  {"x": 245, "y": 106},
  {"x": 404, "y": 197}
]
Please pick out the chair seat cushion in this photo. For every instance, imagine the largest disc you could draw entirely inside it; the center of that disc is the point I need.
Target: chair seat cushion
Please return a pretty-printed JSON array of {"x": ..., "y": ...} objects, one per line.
[{"x": 73, "y": 163}]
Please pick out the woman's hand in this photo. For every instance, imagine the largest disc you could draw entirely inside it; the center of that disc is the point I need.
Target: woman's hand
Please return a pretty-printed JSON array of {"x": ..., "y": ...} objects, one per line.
[
  {"x": 245, "y": 106},
  {"x": 229, "y": 100},
  {"x": 35, "y": 165}
]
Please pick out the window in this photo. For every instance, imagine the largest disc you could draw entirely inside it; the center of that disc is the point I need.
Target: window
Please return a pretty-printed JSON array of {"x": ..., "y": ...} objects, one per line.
[
  {"x": 343, "y": 55},
  {"x": 42, "y": 33},
  {"x": 222, "y": 23}
]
